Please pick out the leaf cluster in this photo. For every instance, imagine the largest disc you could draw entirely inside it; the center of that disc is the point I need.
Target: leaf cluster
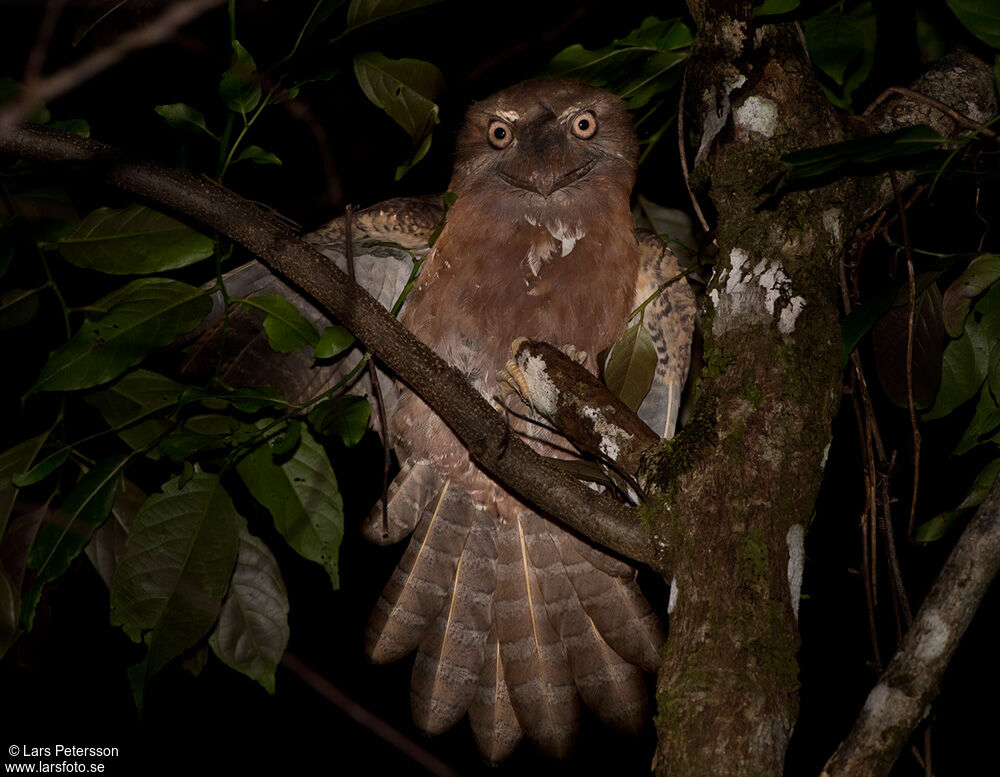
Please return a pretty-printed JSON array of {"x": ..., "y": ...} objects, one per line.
[{"x": 133, "y": 464}]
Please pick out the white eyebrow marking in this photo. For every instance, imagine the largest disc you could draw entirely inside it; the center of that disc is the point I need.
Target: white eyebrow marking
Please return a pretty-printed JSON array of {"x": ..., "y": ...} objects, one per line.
[
  {"x": 510, "y": 116},
  {"x": 569, "y": 111}
]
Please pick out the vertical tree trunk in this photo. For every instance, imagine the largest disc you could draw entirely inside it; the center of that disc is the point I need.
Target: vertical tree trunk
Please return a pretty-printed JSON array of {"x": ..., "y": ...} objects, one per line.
[{"x": 727, "y": 690}]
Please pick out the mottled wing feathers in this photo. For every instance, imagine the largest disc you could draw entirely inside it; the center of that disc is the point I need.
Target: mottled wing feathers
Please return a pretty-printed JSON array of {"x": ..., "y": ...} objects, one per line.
[
  {"x": 670, "y": 321},
  {"x": 381, "y": 270},
  {"x": 405, "y": 221}
]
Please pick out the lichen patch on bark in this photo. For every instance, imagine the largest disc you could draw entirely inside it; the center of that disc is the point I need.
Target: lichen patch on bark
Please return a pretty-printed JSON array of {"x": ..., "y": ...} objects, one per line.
[{"x": 749, "y": 292}]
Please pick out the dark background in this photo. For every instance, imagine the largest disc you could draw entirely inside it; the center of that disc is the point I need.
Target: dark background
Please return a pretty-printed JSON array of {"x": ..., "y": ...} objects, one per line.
[{"x": 65, "y": 682}]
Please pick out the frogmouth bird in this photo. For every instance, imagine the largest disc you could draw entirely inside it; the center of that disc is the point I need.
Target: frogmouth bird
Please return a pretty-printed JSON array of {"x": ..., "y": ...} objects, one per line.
[{"x": 514, "y": 619}]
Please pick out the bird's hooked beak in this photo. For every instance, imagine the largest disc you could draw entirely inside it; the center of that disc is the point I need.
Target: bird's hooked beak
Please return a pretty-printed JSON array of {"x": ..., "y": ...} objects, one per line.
[{"x": 547, "y": 179}]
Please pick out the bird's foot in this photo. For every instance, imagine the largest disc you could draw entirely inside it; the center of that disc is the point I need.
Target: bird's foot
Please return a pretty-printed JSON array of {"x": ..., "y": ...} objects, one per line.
[{"x": 511, "y": 379}]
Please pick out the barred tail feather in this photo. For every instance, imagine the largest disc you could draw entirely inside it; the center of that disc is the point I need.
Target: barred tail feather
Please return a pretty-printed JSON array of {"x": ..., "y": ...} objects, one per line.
[
  {"x": 451, "y": 655},
  {"x": 422, "y": 580},
  {"x": 534, "y": 662}
]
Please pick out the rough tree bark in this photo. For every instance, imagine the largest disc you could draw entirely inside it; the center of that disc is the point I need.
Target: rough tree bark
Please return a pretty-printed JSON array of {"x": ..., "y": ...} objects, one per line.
[
  {"x": 733, "y": 491},
  {"x": 741, "y": 480}
]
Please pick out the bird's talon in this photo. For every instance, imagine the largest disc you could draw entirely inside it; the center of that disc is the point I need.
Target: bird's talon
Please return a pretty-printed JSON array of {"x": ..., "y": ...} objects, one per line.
[
  {"x": 580, "y": 357},
  {"x": 512, "y": 381}
]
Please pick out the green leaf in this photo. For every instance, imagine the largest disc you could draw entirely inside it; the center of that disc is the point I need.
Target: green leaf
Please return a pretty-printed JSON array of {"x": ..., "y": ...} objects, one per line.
[
  {"x": 287, "y": 329},
  {"x": 632, "y": 67},
  {"x": 138, "y": 393},
  {"x": 258, "y": 155},
  {"x": 345, "y": 417},
  {"x": 252, "y": 632},
  {"x": 333, "y": 341},
  {"x": 864, "y": 151},
  {"x": 252, "y": 399},
  {"x": 889, "y": 345},
  {"x": 838, "y": 41},
  {"x": 303, "y": 499},
  {"x": 178, "y": 447},
  {"x": 980, "y": 17},
  {"x": 176, "y": 568},
  {"x": 13, "y": 461},
  {"x": 775, "y": 7},
  {"x": 982, "y": 272},
  {"x": 49, "y": 210},
  {"x": 147, "y": 313},
  {"x": 17, "y": 307},
  {"x": 835, "y": 41},
  {"x": 42, "y": 469},
  {"x": 240, "y": 84},
  {"x": 860, "y": 320},
  {"x": 184, "y": 117},
  {"x": 936, "y": 527},
  {"x": 11, "y": 238},
  {"x": 405, "y": 89},
  {"x": 58, "y": 543},
  {"x": 985, "y": 421},
  {"x": 930, "y": 38},
  {"x": 362, "y": 12},
  {"x": 10, "y": 628},
  {"x": 10, "y": 90},
  {"x": 133, "y": 241},
  {"x": 108, "y": 543},
  {"x": 631, "y": 366},
  {"x": 963, "y": 370},
  {"x": 419, "y": 153},
  {"x": 290, "y": 441},
  {"x": 966, "y": 362},
  {"x": 77, "y": 127}
]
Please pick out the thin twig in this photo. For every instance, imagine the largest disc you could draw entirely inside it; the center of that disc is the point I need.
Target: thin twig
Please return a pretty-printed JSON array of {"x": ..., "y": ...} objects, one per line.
[
  {"x": 960, "y": 119},
  {"x": 161, "y": 29},
  {"x": 911, "y": 318},
  {"x": 40, "y": 50},
  {"x": 683, "y": 156},
  {"x": 867, "y": 470},
  {"x": 365, "y": 717}
]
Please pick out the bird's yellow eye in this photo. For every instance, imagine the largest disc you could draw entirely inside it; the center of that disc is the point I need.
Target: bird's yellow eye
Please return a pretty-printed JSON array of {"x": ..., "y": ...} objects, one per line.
[
  {"x": 500, "y": 133},
  {"x": 584, "y": 125}
]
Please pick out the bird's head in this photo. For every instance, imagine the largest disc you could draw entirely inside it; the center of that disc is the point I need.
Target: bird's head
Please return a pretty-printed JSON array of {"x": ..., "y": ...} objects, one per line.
[{"x": 546, "y": 138}]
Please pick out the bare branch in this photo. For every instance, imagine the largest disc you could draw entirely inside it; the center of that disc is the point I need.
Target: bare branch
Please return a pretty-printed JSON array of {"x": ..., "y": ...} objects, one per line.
[
  {"x": 365, "y": 717},
  {"x": 159, "y": 30},
  {"x": 903, "y": 695},
  {"x": 470, "y": 417}
]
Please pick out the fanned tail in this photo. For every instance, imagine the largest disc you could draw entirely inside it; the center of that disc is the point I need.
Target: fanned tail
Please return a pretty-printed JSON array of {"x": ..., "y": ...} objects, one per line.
[
  {"x": 614, "y": 603},
  {"x": 422, "y": 580},
  {"x": 450, "y": 660},
  {"x": 609, "y": 685},
  {"x": 535, "y": 667},
  {"x": 512, "y": 616},
  {"x": 415, "y": 487},
  {"x": 494, "y": 723}
]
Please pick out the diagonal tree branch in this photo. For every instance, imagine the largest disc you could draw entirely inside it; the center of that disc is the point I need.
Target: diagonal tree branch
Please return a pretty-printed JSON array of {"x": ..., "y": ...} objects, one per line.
[
  {"x": 500, "y": 454},
  {"x": 904, "y": 693},
  {"x": 159, "y": 30}
]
